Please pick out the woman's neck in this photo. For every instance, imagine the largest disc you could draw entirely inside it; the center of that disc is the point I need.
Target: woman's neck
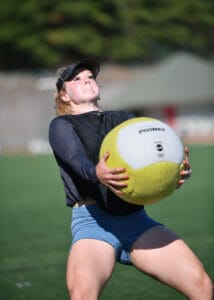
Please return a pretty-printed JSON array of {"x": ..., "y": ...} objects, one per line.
[{"x": 84, "y": 108}]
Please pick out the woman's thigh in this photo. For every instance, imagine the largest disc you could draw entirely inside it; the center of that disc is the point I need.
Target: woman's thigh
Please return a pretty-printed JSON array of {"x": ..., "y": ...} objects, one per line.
[
  {"x": 90, "y": 264},
  {"x": 163, "y": 255}
]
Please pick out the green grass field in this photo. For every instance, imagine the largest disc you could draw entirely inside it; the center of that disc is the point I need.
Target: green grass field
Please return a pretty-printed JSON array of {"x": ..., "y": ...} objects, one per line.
[{"x": 35, "y": 230}]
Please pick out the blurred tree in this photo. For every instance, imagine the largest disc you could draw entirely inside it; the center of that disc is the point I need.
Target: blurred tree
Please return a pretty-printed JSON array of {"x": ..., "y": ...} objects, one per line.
[{"x": 44, "y": 33}]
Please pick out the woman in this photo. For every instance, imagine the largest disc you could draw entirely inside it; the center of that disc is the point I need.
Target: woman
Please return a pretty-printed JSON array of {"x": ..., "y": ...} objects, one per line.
[{"x": 103, "y": 226}]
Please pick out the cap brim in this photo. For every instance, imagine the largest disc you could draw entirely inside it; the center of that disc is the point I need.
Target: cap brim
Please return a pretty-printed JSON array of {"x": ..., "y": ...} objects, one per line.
[{"x": 89, "y": 64}]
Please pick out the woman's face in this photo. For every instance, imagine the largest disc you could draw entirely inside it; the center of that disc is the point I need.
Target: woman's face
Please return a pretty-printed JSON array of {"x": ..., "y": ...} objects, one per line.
[{"x": 82, "y": 88}]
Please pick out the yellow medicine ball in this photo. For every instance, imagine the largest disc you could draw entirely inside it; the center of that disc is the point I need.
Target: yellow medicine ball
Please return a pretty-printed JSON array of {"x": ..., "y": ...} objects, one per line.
[{"x": 152, "y": 154}]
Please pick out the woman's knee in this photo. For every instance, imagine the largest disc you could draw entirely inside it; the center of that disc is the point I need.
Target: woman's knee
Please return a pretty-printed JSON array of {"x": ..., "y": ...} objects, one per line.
[
  {"x": 75, "y": 291},
  {"x": 205, "y": 286},
  {"x": 202, "y": 286},
  {"x": 81, "y": 290}
]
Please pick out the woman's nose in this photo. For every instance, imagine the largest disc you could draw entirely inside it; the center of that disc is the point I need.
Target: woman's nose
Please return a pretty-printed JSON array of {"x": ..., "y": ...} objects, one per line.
[{"x": 87, "y": 80}]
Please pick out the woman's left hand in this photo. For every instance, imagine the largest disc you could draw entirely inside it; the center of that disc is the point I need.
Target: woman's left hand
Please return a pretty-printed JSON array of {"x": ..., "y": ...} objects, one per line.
[{"x": 185, "y": 173}]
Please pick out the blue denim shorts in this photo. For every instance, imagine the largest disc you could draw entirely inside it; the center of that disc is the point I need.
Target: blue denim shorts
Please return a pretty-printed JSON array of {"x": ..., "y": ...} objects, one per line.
[{"x": 91, "y": 222}]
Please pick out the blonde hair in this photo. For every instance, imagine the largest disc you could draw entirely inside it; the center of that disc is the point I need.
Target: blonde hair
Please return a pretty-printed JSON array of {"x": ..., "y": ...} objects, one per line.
[{"x": 61, "y": 107}]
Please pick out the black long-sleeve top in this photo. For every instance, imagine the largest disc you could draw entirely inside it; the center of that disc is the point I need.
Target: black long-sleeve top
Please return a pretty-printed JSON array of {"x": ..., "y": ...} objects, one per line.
[{"x": 76, "y": 141}]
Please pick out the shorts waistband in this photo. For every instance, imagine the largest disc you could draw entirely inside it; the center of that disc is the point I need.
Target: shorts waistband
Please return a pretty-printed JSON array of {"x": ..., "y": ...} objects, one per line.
[{"x": 86, "y": 201}]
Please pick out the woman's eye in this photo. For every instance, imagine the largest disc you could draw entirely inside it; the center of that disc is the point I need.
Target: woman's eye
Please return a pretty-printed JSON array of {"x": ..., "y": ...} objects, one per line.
[{"x": 77, "y": 78}]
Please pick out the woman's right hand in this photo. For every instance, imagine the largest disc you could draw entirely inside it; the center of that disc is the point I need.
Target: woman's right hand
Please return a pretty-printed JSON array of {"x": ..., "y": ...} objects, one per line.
[
  {"x": 186, "y": 172},
  {"x": 114, "y": 178}
]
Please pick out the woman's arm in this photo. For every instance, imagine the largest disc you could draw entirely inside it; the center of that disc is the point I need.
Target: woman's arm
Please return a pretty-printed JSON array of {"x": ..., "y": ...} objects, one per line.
[{"x": 68, "y": 148}]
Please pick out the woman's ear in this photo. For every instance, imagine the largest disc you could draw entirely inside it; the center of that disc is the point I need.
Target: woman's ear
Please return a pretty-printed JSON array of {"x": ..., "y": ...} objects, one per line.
[{"x": 64, "y": 97}]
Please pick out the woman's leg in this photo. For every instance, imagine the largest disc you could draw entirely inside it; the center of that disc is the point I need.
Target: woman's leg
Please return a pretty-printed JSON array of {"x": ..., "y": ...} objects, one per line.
[
  {"x": 161, "y": 254},
  {"x": 90, "y": 265}
]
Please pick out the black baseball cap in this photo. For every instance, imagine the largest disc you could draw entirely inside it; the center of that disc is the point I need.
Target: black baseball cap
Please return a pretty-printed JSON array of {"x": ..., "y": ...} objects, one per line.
[{"x": 70, "y": 71}]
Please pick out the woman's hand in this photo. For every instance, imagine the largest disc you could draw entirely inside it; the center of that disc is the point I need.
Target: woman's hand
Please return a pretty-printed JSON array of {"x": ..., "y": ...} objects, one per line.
[
  {"x": 113, "y": 178},
  {"x": 186, "y": 171}
]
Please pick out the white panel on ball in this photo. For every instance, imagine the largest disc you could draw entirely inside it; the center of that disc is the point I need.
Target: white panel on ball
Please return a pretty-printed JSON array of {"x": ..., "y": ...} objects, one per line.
[{"x": 144, "y": 143}]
